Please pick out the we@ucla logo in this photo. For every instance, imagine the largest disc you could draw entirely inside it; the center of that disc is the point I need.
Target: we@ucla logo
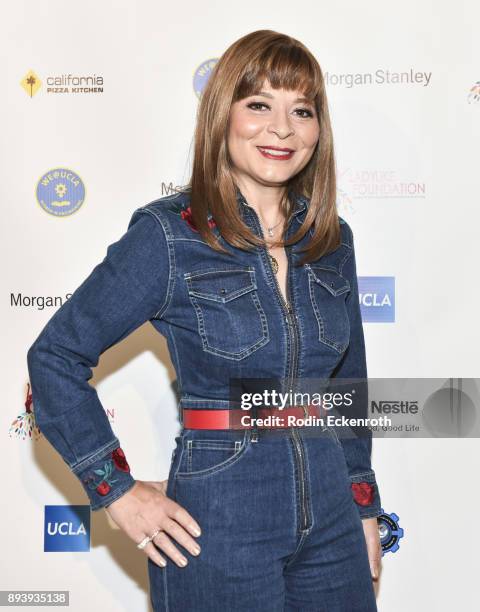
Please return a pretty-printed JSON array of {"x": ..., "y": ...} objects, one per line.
[
  {"x": 60, "y": 192},
  {"x": 202, "y": 74},
  {"x": 377, "y": 298},
  {"x": 67, "y": 528},
  {"x": 390, "y": 531}
]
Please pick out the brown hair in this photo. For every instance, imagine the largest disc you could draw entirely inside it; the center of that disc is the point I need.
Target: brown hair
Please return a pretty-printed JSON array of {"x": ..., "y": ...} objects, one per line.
[{"x": 286, "y": 63}]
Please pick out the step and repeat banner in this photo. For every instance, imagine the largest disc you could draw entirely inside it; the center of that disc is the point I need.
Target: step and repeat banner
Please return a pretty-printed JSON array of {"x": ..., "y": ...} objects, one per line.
[{"x": 98, "y": 112}]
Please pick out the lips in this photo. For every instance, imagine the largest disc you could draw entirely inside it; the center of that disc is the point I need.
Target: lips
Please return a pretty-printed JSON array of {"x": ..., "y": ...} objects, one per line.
[{"x": 276, "y": 152}]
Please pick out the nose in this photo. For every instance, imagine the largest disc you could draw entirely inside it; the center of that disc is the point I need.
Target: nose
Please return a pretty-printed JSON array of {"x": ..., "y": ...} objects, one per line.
[{"x": 280, "y": 125}]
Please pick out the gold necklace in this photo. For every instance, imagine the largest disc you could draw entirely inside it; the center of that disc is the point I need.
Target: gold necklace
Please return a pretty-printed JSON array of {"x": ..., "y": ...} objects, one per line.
[
  {"x": 273, "y": 260},
  {"x": 274, "y": 263}
]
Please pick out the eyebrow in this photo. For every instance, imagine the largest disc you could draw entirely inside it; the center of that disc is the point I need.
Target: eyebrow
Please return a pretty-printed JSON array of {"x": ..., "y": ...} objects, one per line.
[{"x": 269, "y": 95}]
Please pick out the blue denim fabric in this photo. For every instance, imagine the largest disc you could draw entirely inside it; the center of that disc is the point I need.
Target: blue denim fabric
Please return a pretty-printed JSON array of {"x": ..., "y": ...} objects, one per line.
[
  {"x": 222, "y": 316},
  {"x": 279, "y": 530}
]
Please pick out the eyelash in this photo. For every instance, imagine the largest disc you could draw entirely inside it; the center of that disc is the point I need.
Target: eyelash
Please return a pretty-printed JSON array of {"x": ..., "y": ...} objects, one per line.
[{"x": 306, "y": 110}]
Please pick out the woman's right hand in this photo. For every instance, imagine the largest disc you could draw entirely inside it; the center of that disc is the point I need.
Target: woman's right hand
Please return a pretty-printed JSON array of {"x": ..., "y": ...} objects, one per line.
[{"x": 145, "y": 508}]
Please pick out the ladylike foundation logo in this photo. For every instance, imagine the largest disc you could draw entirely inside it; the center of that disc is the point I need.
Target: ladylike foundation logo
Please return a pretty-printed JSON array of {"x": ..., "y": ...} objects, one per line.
[{"x": 24, "y": 426}]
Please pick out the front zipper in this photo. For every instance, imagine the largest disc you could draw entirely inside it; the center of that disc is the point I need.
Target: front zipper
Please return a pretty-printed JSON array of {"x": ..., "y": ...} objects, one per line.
[{"x": 291, "y": 320}]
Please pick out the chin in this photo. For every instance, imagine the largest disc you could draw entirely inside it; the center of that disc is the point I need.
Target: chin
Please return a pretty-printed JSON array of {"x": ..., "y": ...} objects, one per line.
[{"x": 277, "y": 178}]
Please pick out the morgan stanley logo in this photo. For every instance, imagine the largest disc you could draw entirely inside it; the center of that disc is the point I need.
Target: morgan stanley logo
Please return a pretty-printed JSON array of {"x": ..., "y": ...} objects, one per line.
[
  {"x": 67, "y": 529},
  {"x": 377, "y": 298}
]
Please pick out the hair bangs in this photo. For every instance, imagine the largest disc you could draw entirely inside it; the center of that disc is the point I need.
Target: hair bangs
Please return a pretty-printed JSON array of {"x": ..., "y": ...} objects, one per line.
[{"x": 284, "y": 66}]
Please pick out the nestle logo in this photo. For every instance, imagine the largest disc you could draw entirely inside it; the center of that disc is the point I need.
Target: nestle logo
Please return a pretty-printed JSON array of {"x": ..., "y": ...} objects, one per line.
[{"x": 394, "y": 407}]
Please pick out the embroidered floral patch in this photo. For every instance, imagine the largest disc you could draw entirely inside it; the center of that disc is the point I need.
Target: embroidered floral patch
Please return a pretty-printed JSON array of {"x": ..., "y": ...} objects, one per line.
[
  {"x": 363, "y": 493},
  {"x": 186, "y": 214},
  {"x": 104, "y": 477},
  {"x": 119, "y": 459}
]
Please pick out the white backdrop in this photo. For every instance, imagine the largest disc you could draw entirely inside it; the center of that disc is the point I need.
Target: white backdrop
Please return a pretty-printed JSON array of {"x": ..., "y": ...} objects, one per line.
[{"x": 407, "y": 155}]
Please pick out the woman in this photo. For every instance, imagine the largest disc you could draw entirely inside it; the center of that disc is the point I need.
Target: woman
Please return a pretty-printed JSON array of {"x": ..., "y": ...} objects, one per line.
[{"x": 250, "y": 275}]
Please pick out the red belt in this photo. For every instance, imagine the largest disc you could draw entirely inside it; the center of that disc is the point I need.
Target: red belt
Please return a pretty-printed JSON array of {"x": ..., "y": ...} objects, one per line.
[{"x": 231, "y": 419}]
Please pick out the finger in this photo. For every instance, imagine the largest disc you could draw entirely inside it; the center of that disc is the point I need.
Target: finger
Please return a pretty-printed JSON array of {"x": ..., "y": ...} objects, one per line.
[
  {"x": 179, "y": 514},
  {"x": 150, "y": 550},
  {"x": 374, "y": 556},
  {"x": 166, "y": 545},
  {"x": 178, "y": 533}
]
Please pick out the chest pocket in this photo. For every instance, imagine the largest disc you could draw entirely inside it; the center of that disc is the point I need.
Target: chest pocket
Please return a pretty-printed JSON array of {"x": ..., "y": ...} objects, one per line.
[
  {"x": 328, "y": 291},
  {"x": 231, "y": 320}
]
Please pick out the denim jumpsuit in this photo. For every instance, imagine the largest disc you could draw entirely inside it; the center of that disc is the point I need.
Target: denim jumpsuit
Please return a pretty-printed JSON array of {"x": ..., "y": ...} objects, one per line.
[{"x": 281, "y": 529}]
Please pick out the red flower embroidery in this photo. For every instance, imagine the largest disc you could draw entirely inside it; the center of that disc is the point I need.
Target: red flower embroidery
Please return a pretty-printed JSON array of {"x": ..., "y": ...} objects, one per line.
[
  {"x": 187, "y": 216},
  {"x": 363, "y": 493},
  {"x": 103, "y": 488},
  {"x": 119, "y": 460}
]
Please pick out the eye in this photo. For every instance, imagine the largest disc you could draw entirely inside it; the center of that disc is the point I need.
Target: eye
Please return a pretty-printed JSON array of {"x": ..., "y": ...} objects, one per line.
[
  {"x": 252, "y": 104},
  {"x": 305, "y": 110},
  {"x": 308, "y": 113}
]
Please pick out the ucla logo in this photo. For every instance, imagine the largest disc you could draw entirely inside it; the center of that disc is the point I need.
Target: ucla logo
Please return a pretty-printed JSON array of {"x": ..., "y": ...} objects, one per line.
[
  {"x": 377, "y": 298},
  {"x": 390, "y": 532},
  {"x": 202, "y": 74},
  {"x": 67, "y": 528},
  {"x": 60, "y": 192}
]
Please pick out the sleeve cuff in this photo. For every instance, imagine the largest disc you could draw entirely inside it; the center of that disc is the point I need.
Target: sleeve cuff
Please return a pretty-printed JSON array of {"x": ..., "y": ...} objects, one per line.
[
  {"x": 366, "y": 495},
  {"x": 106, "y": 477}
]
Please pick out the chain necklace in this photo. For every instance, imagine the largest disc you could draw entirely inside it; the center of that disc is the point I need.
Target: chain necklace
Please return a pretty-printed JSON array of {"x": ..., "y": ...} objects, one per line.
[
  {"x": 270, "y": 229},
  {"x": 273, "y": 260}
]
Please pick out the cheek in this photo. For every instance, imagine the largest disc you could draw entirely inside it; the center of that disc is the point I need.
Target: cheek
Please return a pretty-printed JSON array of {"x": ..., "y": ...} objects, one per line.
[
  {"x": 310, "y": 135},
  {"x": 245, "y": 126}
]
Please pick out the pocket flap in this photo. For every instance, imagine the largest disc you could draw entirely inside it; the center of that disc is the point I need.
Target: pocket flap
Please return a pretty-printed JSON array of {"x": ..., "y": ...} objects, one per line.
[
  {"x": 330, "y": 279},
  {"x": 221, "y": 285}
]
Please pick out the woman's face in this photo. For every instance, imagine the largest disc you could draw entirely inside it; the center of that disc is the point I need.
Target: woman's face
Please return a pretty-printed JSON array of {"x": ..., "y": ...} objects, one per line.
[{"x": 272, "y": 135}]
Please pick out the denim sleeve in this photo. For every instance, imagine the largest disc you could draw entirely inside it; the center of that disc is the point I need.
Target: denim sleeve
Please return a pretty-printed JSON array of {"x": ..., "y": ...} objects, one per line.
[
  {"x": 358, "y": 448},
  {"x": 128, "y": 287}
]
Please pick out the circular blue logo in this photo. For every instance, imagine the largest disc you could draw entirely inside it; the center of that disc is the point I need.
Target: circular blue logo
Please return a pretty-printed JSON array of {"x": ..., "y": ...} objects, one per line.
[
  {"x": 390, "y": 531},
  {"x": 202, "y": 74},
  {"x": 60, "y": 192}
]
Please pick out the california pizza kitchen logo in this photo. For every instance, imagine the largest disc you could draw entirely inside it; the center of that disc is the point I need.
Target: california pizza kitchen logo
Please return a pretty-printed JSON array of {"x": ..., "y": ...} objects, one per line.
[{"x": 62, "y": 83}]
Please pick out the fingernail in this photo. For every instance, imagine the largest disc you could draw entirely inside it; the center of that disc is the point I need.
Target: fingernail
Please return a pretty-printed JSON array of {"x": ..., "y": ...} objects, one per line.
[
  {"x": 195, "y": 550},
  {"x": 195, "y": 530},
  {"x": 162, "y": 563},
  {"x": 183, "y": 562},
  {"x": 374, "y": 572}
]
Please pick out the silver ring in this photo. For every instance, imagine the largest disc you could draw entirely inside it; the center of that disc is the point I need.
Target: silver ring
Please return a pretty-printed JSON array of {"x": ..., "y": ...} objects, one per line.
[{"x": 148, "y": 539}]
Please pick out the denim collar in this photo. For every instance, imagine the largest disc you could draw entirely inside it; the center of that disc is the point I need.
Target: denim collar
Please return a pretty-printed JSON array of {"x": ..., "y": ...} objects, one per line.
[{"x": 300, "y": 201}]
